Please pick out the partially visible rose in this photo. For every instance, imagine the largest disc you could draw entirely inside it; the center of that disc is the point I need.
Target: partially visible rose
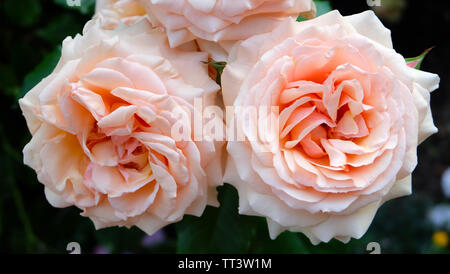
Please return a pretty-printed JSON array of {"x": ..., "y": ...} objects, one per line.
[
  {"x": 221, "y": 21},
  {"x": 351, "y": 114},
  {"x": 112, "y": 12},
  {"x": 101, "y": 126}
]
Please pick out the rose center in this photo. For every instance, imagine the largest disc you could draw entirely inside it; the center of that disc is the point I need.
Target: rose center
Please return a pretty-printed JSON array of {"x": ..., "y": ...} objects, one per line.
[{"x": 313, "y": 113}]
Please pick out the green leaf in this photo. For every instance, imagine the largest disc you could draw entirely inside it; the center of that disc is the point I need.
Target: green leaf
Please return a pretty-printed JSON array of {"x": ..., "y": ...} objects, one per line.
[
  {"x": 218, "y": 230},
  {"x": 219, "y": 67},
  {"x": 8, "y": 81},
  {"x": 322, "y": 7},
  {"x": 9, "y": 158},
  {"x": 117, "y": 239},
  {"x": 416, "y": 62},
  {"x": 223, "y": 230},
  {"x": 41, "y": 71},
  {"x": 60, "y": 27},
  {"x": 286, "y": 243},
  {"x": 1, "y": 218},
  {"x": 24, "y": 12}
]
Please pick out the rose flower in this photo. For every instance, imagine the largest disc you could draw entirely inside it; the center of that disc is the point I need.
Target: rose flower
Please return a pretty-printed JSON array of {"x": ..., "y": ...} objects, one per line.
[
  {"x": 101, "y": 125},
  {"x": 351, "y": 113},
  {"x": 221, "y": 21}
]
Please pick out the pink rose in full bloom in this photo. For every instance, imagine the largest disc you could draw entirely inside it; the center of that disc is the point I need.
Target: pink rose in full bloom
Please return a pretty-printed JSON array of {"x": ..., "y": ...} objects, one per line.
[
  {"x": 351, "y": 114},
  {"x": 222, "y": 21},
  {"x": 101, "y": 126}
]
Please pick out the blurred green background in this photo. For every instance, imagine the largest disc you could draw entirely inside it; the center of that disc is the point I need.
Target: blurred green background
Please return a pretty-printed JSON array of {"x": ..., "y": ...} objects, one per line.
[{"x": 31, "y": 35}]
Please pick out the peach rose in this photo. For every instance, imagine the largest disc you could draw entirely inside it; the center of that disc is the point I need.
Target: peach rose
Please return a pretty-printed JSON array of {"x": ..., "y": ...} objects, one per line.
[
  {"x": 101, "y": 126},
  {"x": 221, "y": 21},
  {"x": 112, "y": 12},
  {"x": 351, "y": 114}
]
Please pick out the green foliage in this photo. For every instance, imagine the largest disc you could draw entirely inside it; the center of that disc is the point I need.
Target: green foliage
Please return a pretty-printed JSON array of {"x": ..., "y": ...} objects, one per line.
[
  {"x": 218, "y": 67},
  {"x": 123, "y": 240},
  {"x": 8, "y": 80},
  {"x": 59, "y": 28},
  {"x": 219, "y": 230},
  {"x": 24, "y": 12},
  {"x": 323, "y": 7},
  {"x": 41, "y": 71},
  {"x": 223, "y": 230}
]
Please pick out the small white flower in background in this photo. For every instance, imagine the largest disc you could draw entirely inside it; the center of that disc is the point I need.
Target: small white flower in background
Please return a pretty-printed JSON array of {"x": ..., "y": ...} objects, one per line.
[
  {"x": 445, "y": 182},
  {"x": 440, "y": 216}
]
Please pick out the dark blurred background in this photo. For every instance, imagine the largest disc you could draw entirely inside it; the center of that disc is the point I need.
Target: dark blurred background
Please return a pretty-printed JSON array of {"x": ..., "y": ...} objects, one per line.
[{"x": 31, "y": 35}]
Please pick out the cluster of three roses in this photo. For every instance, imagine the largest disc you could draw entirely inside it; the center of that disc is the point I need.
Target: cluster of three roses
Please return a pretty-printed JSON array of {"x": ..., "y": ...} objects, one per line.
[{"x": 352, "y": 113}]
